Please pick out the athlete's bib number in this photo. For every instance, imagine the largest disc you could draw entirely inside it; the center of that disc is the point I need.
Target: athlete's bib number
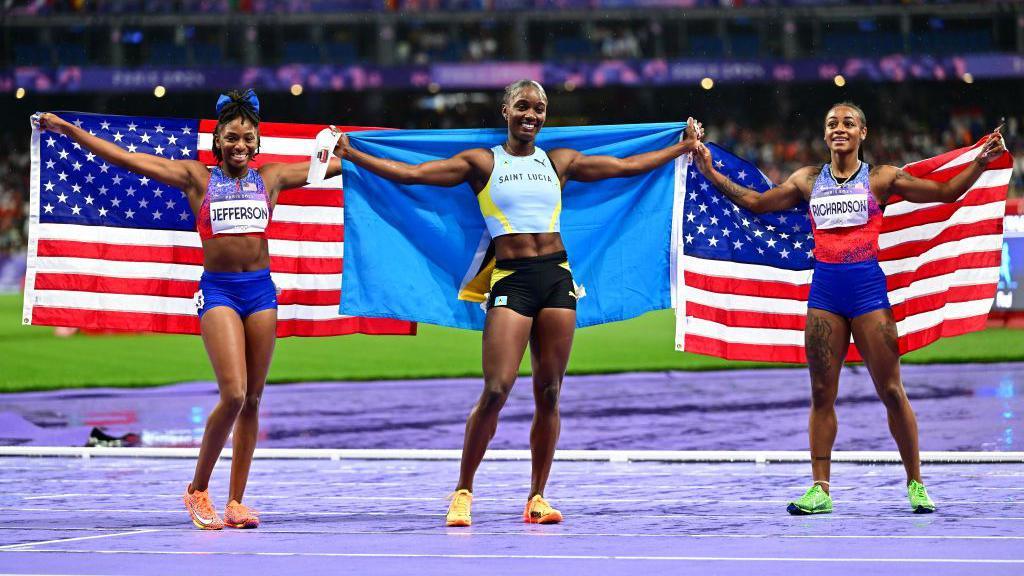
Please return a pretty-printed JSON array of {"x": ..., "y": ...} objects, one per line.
[
  {"x": 239, "y": 216},
  {"x": 840, "y": 210}
]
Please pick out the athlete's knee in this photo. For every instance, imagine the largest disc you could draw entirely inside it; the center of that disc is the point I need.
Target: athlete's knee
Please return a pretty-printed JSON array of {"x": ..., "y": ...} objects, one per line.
[
  {"x": 496, "y": 391},
  {"x": 823, "y": 395},
  {"x": 252, "y": 402},
  {"x": 546, "y": 393},
  {"x": 891, "y": 393},
  {"x": 232, "y": 400}
]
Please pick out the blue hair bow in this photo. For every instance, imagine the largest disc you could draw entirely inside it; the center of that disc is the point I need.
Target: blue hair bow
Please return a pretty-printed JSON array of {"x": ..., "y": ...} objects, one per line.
[{"x": 249, "y": 96}]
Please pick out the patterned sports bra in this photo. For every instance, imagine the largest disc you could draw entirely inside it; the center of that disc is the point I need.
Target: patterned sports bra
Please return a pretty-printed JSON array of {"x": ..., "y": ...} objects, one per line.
[
  {"x": 845, "y": 217},
  {"x": 234, "y": 205}
]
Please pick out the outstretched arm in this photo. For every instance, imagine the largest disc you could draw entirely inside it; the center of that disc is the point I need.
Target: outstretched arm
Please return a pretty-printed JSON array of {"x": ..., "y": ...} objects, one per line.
[
  {"x": 897, "y": 181},
  {"x": 781, "y": 197},
  {"x": 449, "y": 172},
  {"x": 183, "y": 174},
  {"x": 576, "y": 166},
  {"x": 285, "y": 176}
]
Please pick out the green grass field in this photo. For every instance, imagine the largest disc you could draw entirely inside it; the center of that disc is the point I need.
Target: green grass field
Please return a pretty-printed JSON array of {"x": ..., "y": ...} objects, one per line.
[{"x": 32, "y": 358}]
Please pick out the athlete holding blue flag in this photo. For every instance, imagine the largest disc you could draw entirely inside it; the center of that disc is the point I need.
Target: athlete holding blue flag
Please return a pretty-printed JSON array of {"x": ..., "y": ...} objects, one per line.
[{"x": 532, "y": 298}]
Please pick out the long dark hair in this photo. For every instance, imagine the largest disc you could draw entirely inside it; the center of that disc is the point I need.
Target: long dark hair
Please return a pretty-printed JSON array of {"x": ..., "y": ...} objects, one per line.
[{"x": 237, "y": 104}]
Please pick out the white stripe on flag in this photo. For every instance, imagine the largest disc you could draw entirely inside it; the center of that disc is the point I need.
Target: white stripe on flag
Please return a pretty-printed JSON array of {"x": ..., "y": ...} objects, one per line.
[
  {"x": 162, "y": 304},
  {"x": 951, "y": 311},
  {"x": 952, "y": 249},
  {"x": 188, "y": 272},
  {"x": 309, "y": 214},
  {"x": 740, "y": 270},
  {"x": 743, "y": 303},
  {"x": 739, "y": 335},
  {"x": 988, "y": 179},
  {"x": 167, "y": 238},
  {"x": 277, "y": 145},
  {"x": 964, "y": 215},
  {"x": 939, "y": 284}
]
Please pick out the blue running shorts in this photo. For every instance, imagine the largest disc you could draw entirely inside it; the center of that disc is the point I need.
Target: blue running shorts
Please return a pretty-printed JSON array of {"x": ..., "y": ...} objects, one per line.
[
  {"x": 848, "y": 290},
  {"x": 244, "y": 292}
]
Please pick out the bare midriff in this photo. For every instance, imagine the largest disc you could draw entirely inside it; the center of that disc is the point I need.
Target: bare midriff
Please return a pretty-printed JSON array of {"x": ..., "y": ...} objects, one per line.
[
  {"x": 527, "y": 245},
  {"x": 236, "y": 253}
]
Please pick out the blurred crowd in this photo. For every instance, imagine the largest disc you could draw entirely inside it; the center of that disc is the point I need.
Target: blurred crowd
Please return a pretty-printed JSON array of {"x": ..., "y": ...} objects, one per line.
[
  {"x": 43, "y": 7},
  {"x": 779, "y": 150},
  {"x": 14, "y": 194},
  {"x": 776, "y": 148}
]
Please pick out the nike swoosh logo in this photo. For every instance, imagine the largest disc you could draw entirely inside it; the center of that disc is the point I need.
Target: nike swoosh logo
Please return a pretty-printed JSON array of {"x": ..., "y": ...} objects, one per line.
[{"x": 203, "y": 521}]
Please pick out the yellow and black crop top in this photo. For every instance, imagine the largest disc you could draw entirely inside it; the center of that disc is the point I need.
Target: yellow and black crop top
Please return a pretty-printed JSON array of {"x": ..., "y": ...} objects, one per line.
[{"x": 522, "y": 195}]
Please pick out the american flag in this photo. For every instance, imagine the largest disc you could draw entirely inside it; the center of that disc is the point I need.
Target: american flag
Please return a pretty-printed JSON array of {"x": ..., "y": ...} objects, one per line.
[
  {"x": 743, "y": 279},
  {"x": 113, "y": 250}
]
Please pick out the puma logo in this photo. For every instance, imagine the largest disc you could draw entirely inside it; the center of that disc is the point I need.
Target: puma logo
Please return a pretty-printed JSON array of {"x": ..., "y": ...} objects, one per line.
[{"x": 540, "y": 161}]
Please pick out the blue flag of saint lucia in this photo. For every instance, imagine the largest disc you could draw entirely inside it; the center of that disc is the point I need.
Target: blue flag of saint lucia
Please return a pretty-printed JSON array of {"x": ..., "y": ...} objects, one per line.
[{"x": 412, "y": 251}]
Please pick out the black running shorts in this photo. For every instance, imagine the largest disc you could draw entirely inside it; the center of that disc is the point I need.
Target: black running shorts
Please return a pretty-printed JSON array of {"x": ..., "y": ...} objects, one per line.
[{"x": 528, "y": 284}]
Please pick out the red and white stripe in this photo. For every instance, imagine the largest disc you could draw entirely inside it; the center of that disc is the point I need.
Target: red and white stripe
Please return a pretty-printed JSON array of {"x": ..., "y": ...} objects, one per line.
[
  {"x": 941, "y": 263},
  {"x": 111, "y": 278}
]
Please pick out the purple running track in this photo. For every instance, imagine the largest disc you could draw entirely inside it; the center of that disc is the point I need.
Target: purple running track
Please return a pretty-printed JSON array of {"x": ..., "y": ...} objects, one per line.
[{"x": 125, "y": 516}]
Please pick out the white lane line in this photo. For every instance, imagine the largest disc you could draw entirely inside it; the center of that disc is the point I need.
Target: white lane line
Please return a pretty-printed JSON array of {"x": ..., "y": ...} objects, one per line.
[
  {"x": 256, "y": 482},
  {"x": 441, "y": 531},
  {"x": 571, "y": 499},
  {"x": 69, "y": 528},
  {"x": 936, "y": 486},
  {"x": 292, "y": 513},
  {"x": 10, "y": 547},
  {"x": 454, "y": 455},
  {"x": 539, "y": 556}
]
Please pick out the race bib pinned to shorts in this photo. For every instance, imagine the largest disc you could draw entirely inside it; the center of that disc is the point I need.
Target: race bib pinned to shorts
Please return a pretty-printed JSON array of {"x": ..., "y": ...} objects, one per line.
[{"x": 198, "y": 300}]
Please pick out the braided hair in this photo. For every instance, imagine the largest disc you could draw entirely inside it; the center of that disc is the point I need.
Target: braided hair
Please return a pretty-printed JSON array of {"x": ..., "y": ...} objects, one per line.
[
  {"x": 237, "y": 104},
  {"x": 513, "y": 90}
]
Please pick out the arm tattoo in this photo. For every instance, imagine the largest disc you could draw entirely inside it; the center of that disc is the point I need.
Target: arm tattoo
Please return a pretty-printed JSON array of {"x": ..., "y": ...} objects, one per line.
[
  {"x": 734, "y": 191},
  {"x": 902, "y": 175},
  {"x": 811, "y": 177}
]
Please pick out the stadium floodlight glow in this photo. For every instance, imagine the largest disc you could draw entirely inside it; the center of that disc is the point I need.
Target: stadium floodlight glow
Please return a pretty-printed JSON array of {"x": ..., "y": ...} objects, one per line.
[
  {"x": 19, "y": 93},
  {"x": 159, "y": 91},
  {"x": 968, "y": 78},
  {"x": 296, "y": 89},
  {"x": 839, "y": 80},
  {"x": 707, "y": 83}
]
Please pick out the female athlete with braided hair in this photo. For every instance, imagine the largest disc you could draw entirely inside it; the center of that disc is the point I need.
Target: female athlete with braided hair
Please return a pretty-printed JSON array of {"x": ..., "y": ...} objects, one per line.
[{"x": 236, "y": 301}]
